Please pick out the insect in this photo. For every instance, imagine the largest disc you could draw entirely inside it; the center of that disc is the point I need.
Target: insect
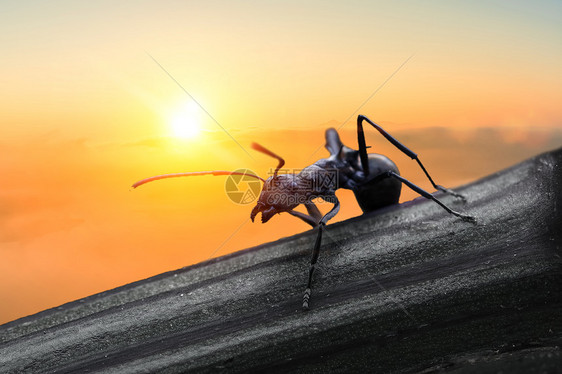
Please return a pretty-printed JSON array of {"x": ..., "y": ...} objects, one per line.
[{"x": 373, "y": 178}]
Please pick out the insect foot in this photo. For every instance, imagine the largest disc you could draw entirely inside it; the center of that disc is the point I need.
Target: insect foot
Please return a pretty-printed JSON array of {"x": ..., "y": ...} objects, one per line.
[
  {"x": 468, "y": 218},
  {"x": 305, "y": 299}
]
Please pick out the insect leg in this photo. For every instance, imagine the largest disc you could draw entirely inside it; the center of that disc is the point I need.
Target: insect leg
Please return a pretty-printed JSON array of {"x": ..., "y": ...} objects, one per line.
[
  {"x": 312, "y": 218},
  {"x": 427, "y": 195},
  {"x": 305, "y": 217},
  {"x": 313, "y": 211},
  {"x": 397, "y": 144},
  {"x": 316, "y": 251}
]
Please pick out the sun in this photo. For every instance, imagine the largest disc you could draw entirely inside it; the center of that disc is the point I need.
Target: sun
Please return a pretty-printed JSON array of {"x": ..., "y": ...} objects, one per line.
[{"x": 185, "y": 123}]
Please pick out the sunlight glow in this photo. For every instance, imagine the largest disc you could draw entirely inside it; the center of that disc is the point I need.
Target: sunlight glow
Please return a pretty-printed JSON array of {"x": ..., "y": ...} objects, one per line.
[{"x": 186, "y": 122}]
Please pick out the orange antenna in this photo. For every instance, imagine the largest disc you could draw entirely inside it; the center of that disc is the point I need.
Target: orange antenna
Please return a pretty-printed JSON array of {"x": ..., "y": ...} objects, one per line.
[
  {"x": 194, "y": 173},
  {"x": 262, "y": 149}
]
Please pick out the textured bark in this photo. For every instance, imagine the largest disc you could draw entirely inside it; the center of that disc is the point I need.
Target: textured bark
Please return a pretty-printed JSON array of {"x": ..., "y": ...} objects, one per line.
[{"x": 409, "y": 288}]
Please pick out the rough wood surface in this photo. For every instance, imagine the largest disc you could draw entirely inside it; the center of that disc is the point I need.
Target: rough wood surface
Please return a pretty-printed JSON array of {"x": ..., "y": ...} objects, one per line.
[{"x": 407, "y": 289}]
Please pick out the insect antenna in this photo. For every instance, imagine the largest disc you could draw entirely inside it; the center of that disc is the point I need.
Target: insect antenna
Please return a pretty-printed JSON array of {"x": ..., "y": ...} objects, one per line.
[
  {"x": 262, "y": 149},
  {"x": 194, "y": 173}
]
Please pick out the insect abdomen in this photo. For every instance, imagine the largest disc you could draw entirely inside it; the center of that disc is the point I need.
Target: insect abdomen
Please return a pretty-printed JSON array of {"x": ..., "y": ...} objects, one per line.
[{"x": 372, "y": 196}]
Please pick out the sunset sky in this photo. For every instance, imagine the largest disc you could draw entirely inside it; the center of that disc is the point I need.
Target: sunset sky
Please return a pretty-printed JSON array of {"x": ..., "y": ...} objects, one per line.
[{"x": 471, "y": 86}]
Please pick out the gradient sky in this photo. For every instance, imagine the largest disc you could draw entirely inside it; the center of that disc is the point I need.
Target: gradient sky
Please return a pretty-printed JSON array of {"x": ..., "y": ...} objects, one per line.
[{"x": 85, "y": 112}]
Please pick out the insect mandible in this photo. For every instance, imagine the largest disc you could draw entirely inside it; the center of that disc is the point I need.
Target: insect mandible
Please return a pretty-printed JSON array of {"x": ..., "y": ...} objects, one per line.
[{"x": 373, "y": 178}]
